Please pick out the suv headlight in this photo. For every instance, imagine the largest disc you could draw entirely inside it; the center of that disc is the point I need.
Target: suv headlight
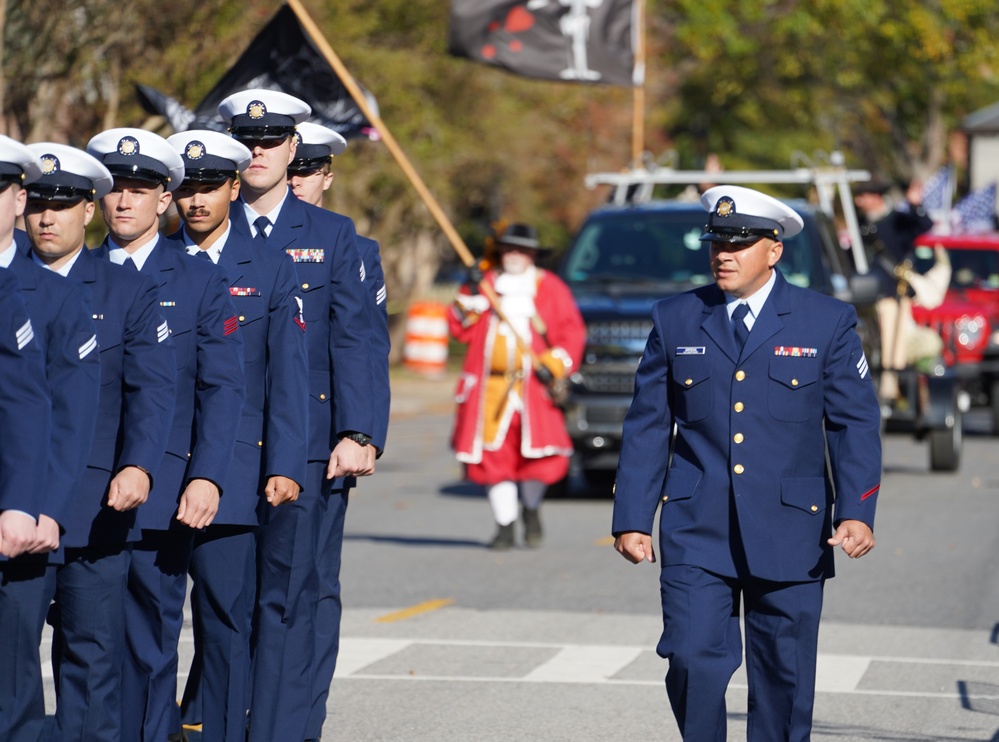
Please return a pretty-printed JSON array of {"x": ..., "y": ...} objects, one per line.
[{"x": 971, "y": 330}]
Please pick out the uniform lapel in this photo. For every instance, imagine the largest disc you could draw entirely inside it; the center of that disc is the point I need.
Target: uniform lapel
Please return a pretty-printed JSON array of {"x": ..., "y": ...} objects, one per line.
[
  {"x": 234, "y": 256},
  {"x": 20, "y": 265},
  {"x": 769, "y": 323},
  {"x": 84, "y": 269},
  {"x": 157, "y": 265},
  {"x": 718, "y": 326},
  {"x": 289, "y": 223}
]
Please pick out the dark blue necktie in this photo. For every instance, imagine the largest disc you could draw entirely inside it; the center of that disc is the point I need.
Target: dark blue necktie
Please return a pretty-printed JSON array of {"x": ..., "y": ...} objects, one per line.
[
  {"x": 203, "y": 254},
  {"x": 261, "y": 223},
  {"x": 739, "y": 324},
  {"x": 129, "y": 263}
]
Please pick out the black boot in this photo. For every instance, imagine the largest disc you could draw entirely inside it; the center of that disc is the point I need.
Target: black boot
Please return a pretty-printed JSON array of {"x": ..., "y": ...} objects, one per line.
[
  {"x": 503, "y": 539},
  {"x": 533, "y": 533}
]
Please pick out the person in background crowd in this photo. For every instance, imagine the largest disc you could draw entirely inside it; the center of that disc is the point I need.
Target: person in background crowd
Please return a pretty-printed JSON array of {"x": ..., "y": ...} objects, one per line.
[
  {"x": 746, "y": 388},
  {"x": 310, "y": 176},
  {"x": 270, "y": 439},
  {"x": 194, "y": 297},
  {"x": 889, "y": 234},
  {"x": 63, "y": 328},
  {"x": 508, "y": 431},
  {"x": 135, "y": 411}
]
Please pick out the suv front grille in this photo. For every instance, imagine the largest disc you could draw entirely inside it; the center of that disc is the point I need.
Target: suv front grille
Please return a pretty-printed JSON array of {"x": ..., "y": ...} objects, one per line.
[
  {"x": 610, "y": 383},
  {"x": 610, "y": 333},
  {"x": 612, "y": 354}
]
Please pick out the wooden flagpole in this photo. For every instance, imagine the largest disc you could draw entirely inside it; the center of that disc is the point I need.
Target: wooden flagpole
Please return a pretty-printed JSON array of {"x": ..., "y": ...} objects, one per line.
[
  {"x": 638, "y": 92},
  {"x": 400, "y": 157},
  {"x": 414, "y": 177}
]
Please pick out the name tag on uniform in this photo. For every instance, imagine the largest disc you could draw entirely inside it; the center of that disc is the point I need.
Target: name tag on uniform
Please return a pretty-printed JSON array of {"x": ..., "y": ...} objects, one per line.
[
  {"x": 303, "y": 255},
  {"x": 793, "y": 351},
  {"x": 690, "y": 350},
  {"x": 243, "y": 291}
]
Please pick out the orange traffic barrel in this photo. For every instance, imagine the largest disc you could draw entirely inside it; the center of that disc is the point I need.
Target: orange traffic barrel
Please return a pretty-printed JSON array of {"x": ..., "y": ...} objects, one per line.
[{"x": 425, "y": 347}]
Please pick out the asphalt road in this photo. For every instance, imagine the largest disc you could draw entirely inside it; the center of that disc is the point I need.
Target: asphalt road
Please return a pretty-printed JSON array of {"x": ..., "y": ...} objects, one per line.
[
  {"x": 446, "y": 640},
  {"x": 443, "y": 639}
]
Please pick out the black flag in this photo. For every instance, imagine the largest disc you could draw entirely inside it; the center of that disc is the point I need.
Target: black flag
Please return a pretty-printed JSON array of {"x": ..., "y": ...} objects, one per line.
[
  {"x": 570, "y": 40},
  {"x": 280, "y": 57}
]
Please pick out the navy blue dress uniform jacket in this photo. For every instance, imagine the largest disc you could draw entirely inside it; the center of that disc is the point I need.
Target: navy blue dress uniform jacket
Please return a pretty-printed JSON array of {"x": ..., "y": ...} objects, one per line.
[
  {"x": 135, "y": 412},
  {"x": 371, "y": 259},
  {"x": 25, "y": 409},
  {"x": 336, "y": 314},
  {"x": 194, "y": 300},
  {"x": 271, "y": 431},
  {"x": 747, "y": 487},
  {"x": 61, "y": 317}
]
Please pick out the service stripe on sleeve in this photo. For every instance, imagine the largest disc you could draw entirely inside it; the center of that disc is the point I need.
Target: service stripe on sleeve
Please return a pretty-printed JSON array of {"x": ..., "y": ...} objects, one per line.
[
  {"x": 230, "y": 326},
  {"x": 88, "y": 347},
  {"x": 870, "y": 492},
  {"x": 162, "y": 332}
]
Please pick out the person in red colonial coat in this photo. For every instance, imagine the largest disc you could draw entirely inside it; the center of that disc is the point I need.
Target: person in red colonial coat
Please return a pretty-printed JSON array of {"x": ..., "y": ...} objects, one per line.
[{"x": 508, "y": 431}]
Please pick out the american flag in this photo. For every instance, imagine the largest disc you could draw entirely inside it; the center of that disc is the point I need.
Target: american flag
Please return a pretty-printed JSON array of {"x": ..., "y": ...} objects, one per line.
[
  {"x": 938, "y": 189},
  {"x": 977, "y": 210}
]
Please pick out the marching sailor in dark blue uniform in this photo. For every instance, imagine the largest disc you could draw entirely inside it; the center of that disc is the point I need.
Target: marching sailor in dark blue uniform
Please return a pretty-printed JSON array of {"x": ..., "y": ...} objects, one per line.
[
  {"x": 194, "y": 298},
  {"x": 64, "y": 331},
  {"x": 336, "y": 313},
  {"x": 135, "y": 413},
  {"x": 269, "y": 463},
  {"x": 310, "y": 175},
  {"x": 761, "y": 380},
  {"x": 25, "y": 422}
]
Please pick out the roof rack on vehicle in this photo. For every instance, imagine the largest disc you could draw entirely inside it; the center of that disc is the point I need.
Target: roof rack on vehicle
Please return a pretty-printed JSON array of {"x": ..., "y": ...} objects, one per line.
[{"x": 829, "y": 177}]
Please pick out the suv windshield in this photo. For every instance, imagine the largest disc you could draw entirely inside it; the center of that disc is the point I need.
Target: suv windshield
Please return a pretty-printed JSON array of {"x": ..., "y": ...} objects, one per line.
[{"x": 663, "y": 250}]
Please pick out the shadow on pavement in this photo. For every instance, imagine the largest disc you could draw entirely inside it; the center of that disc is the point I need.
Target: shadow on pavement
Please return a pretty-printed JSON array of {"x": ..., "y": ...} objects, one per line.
[{"x": 412, "y": 540}]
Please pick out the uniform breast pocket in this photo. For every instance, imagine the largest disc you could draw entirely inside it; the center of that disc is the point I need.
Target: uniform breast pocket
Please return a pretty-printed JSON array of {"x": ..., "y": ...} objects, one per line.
[
  {"x": 251, "y": 311},
  {"x": 183, "y": 339},
  {"x": 111, "y": 361},
  {"x": 313, "y": 296},
  {"x": 692, "y": 394},
  {"x": 795, "y": 394}
]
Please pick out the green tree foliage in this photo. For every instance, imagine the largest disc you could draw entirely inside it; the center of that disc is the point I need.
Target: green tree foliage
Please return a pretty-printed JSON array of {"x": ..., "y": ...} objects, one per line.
[
  {"x": 753, "y": 81},
  {"x": 883, "y": 80}
]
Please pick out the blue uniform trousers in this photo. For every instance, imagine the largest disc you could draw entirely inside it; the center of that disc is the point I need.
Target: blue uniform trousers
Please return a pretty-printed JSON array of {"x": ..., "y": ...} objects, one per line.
[
  {"x": 702, "y": 642},
  {"x": 154, "y": 614},
  {"x": 26, "y": 587},
  {"x": 222, "y": 570},
  {"x": 329, "y": 607},
  {"x": 88, "y": 626},
  {"x": 286, "y": 610}
]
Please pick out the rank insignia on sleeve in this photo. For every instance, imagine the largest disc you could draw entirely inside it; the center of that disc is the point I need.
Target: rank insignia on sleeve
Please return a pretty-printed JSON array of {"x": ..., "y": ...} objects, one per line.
[
  {"x": 305, "y": 255},
  {"x": 168, "y": 303},
  {"x": 88, "y": 347},
  {"x": 162, "y": 332},
  {"x": 793, "y": 351},
  {"x": 230, "y": 326},
  {"x": 25, "y": 335},
  {"x": 363, "y": 272},
  {"x": 862, "y": 367},
  {"x": 243, "y": 291}
]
